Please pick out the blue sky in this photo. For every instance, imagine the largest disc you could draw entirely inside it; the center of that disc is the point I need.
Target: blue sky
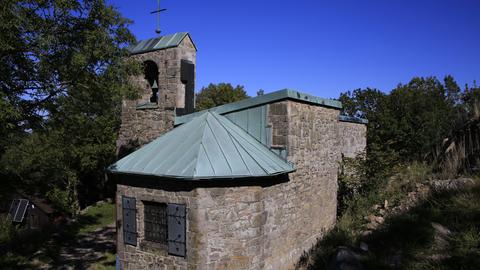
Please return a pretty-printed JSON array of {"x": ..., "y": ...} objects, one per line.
[{"x": 320, "y": 47}]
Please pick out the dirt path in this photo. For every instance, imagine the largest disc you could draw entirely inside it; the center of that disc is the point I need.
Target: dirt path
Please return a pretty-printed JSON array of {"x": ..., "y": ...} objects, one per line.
[{"x": 80, "y": 253}]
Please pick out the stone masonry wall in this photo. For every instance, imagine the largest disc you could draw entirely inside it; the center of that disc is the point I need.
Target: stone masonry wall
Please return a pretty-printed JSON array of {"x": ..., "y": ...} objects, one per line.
[
  {"x": 253, "y": 227},
  {"x": 145, "y": 125},
  {"x": 232, "y": 221},
  {"x": 302, "y": 209},
  {"x": 353, "y": 138},
  {"x": 145, "y": 256},
  {"x": 224, "y": 229}
]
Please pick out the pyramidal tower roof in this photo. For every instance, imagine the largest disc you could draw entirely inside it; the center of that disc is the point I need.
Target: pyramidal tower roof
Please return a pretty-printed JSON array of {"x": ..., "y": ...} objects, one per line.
[
  {"x": 207, "y": 147},
  {"x": 158, "y": 43}
]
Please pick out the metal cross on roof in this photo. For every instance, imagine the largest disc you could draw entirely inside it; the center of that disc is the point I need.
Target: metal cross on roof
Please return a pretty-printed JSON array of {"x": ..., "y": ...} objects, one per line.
[{"x": 158, "y": 16}]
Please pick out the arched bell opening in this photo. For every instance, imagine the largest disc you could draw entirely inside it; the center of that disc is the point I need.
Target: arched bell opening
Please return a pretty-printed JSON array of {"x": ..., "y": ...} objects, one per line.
[{"x": 151, "y": 75}]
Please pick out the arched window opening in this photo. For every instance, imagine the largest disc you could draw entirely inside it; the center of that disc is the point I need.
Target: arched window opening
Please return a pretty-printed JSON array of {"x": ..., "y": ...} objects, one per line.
[{"x": 151, "y": 75}]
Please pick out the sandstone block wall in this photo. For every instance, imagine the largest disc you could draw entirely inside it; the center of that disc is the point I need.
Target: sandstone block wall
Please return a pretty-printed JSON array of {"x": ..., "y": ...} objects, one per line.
[
  {"x": 145, "y": 125},
  {"x": 255, "y": 226},
  {"x": 145, "y": 255},
  {"x": 232, "y": 221},
  {"x": 301, "y": 210},
  {"x": 224, "y": 229},
  {"x": 353, "y": 138}
]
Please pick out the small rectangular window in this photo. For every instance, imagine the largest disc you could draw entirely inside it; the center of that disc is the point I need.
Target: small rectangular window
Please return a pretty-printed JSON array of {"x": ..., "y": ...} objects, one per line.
[{"x": 155, "y": 217}]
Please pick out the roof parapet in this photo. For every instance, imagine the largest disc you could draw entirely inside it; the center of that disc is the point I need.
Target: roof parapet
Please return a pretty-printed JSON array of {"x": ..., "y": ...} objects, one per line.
[{"x": 351, "y": 119}]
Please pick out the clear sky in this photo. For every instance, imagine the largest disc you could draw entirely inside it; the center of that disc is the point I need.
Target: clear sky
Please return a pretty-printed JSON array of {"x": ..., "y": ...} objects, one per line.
[{"x": 320, "y": 47}]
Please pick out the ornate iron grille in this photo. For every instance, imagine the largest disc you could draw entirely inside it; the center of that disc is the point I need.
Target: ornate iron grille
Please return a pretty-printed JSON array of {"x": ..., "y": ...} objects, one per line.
[{"x": 155, "y": 222}]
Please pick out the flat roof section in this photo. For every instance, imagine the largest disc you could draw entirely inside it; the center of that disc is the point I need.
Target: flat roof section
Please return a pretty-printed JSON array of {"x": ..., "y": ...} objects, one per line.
[{"x": 264, "y": 99}]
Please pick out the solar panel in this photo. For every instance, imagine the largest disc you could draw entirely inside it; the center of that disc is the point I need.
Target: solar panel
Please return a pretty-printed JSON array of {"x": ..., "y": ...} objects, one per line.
[
  {"x": 14, "y": 208},
  {"x": 18, "y": 209}
]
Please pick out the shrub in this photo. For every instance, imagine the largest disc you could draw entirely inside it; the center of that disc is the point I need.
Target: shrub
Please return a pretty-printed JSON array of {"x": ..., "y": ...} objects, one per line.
[{"x": 7, "y": 230}]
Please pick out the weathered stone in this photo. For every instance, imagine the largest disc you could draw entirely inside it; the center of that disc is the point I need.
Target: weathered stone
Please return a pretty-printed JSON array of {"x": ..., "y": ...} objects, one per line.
[
  {"x": 142, "y": 126},
  {"x": 259, "y": 226},
  {"x": 353, "y": 138}
]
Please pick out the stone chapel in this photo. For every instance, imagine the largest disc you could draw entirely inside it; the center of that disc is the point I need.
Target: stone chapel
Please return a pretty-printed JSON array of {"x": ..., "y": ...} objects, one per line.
[{"x": 246, "y": 185}]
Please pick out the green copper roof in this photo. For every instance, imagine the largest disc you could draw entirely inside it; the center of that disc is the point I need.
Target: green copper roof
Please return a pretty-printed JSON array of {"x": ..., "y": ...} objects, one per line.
[
  {"x": 210, "y": 146},
  {"x": 264, "y": 99},
  {"x": 158, "y": 43},
  {"x": 351, "y": 119}
]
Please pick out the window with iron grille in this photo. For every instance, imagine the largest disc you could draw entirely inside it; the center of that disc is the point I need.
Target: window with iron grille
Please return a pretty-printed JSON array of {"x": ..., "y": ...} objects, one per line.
[{"x": 155, "y": 217}]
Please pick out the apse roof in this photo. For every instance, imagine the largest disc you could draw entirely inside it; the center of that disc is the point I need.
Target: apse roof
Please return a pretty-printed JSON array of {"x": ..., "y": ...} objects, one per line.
[
  {"x": 158, "y": 43},
  {"x": 208, "y": 147}
]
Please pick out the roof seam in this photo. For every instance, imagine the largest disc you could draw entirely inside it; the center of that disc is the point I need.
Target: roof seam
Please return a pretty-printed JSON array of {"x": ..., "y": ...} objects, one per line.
[
  {"x": 182, "y": 143},
  {"x": 204, "y": 150},
  {"x": 241, "y": 157},
  {"x": 254, "y": 159},
  {"x": 266, "y": 148},
  {"x": 209, "y": 160},
  {"x": 216, "y": 141},
  {"x": 149, "y": 162}
]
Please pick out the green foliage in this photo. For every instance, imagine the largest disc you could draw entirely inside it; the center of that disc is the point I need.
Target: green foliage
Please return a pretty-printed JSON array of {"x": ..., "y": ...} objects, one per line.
[
  {"x": 218, "y": 94},
  {"x": 63, "y": 73},
  {"x": 8, "y": 116},
  {"x": 425, "y": 114},
  {"x": 405, "y": 178},
  {"x": 352, "y": 180},
  {"x": 408, "y": 123},
  {"x": 7, "y": 230},
  {"x": 404, "y": 126},
  {"x": 64, "y": 200},
  {"x": 471, "y": 99}
]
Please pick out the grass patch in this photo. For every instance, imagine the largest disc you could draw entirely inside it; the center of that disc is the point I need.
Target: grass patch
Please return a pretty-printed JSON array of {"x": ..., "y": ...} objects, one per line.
[
  {"x": 96, "y": 217},
  {"x": 106, "y": 263}
]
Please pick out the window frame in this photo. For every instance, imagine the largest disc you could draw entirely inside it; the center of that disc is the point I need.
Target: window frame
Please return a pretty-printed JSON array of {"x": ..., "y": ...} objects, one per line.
[{"x": 148, "y": 206}]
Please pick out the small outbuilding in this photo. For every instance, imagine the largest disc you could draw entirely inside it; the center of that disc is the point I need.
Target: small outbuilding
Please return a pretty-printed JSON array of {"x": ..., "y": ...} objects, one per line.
[
  {"x": 246, "y": 185},
  {"x": 31, "y": 212}
]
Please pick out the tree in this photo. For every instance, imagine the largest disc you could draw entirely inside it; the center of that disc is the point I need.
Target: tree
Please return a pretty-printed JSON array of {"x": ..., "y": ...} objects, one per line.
[
  {"x": 425, "y": 113},
  {"x": 408, "y": 122},
  {"x": 471, "y": 99},
  {"x": 63, "y": 73},
  {"x": 218, "y": 94}
]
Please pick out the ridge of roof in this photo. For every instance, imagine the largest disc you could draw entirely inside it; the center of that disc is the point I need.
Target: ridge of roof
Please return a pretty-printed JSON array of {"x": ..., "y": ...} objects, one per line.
[
  {"x": 159, "y": 43},
  {"x": 208, "y": 147},
  {"x": 264, "y": 99}
]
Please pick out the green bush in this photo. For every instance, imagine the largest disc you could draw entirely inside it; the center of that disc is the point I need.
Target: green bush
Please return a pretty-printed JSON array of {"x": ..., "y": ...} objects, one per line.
[
  {"x": 7, "y": 230},
  {"x": 352, "y": 181}
]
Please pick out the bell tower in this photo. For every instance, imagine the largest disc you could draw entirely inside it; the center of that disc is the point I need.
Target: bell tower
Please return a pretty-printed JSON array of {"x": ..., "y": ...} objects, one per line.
[{"x": 166, "y": 89}]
